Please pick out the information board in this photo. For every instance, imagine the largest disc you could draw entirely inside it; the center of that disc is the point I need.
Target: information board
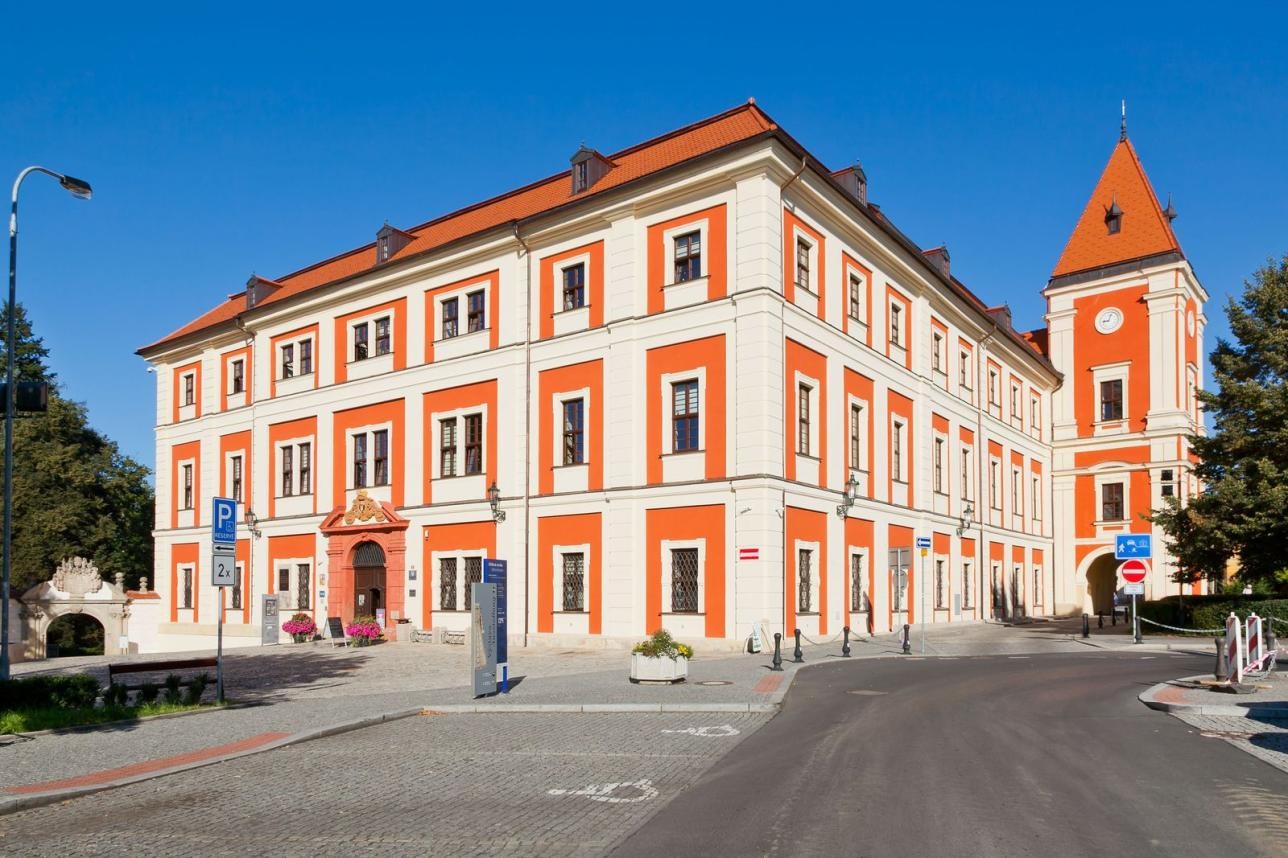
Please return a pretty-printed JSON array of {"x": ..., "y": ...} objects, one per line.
[
  {"x": 483, "y": 637},
  {"x": 268, "y": 631},
  {"x": 494, "y": 572},
  {"x": 335, "y": 628}
]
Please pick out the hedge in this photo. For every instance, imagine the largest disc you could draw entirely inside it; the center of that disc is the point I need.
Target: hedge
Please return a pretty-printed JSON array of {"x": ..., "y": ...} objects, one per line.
[
  {"x": 1209, "y": 612},
  {"x": 41, "y": 692}
]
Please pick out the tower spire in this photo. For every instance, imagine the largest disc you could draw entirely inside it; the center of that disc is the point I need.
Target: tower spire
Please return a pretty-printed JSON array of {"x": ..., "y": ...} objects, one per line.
[{"x": 1122, "y": 127}]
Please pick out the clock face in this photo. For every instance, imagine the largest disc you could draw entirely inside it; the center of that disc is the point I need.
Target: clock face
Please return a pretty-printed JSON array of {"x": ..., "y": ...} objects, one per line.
[{"x": 1109, "y": 320}]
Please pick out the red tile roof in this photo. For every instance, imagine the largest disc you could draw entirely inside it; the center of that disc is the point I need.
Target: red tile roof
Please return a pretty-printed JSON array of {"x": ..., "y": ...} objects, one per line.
[
  {"x": 1145, "y": 231},
  {"x": 741, "y": 123}
]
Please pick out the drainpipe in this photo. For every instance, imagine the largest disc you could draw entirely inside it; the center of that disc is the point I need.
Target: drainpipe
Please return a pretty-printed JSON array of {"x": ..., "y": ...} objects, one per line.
[
  {"x": 981, "y": 455},
  {"x": 248, "y": 593},
  {"x": 527, "y": 423},
  {"x": 782, "y": 323}
]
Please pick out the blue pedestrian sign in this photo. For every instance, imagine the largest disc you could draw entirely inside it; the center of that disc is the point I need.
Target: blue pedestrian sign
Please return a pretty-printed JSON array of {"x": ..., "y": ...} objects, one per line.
[
  {"x": 923, "y": 541},
  {"x": 223, "y": 521},
  {"x": 494, "y": 572},
  {"x": 1133, "y": 546}
]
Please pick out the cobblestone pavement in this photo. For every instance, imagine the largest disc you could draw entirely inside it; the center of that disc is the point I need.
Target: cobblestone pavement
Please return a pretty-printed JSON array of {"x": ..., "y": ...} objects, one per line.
[
  {"x": 520, "y": 784},
  {"x": 1264, "y": 738}
]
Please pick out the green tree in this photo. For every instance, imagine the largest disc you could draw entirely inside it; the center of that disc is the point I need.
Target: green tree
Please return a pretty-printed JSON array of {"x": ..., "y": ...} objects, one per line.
[
  {"x": 74, "y": 492},
  {"x": 1244, "y": 462}
]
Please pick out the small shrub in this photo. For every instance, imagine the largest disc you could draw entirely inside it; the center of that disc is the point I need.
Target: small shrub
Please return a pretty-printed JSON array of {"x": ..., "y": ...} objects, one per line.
[
  {"x": 196, "y": 688},
  {"x": 661, "y": 645},
  {"x": 173, "y": 686},
  {"x": 42, "y": 692},
  {"x": 116, "y": 695},
  {"x": 148, "y": 692}
]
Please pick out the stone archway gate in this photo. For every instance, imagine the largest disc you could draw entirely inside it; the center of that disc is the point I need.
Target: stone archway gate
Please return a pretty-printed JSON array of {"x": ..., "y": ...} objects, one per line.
[{"x": 75, "y": 588}]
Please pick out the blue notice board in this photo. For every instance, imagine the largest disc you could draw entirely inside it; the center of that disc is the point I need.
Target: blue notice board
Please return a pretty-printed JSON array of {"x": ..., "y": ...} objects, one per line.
[
  {"x": 223, "y": 521},
  {"x": 1133, "y": 546},
  {"x": 494, "y": 572}
]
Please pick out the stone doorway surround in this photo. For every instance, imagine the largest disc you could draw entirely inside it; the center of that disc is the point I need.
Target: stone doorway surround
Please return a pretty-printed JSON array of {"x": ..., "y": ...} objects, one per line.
[
  {"x": 366, "y": 520},
  {"x": 76, "y": 587}
]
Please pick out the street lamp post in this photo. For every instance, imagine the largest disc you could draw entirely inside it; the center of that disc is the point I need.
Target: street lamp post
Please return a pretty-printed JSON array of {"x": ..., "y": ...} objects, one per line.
[{"x": 80, "y": 189}]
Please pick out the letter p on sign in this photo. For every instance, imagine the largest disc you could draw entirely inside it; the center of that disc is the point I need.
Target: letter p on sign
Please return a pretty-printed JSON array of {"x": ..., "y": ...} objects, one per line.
[{"x": 223, "y": 523}]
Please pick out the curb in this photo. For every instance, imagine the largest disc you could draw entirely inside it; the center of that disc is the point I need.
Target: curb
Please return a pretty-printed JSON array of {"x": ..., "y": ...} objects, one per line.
[
  {"x": 595, "y": 708},
  {"x": 1149, "y": 698}
]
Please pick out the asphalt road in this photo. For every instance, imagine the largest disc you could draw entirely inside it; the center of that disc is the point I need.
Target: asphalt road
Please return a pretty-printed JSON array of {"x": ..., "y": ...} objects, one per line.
[{"x": 1047, "y": 755}]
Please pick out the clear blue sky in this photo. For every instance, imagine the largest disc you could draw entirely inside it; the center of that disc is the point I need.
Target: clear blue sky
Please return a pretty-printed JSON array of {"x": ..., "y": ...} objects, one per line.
[{"x": 248, "y": 139}]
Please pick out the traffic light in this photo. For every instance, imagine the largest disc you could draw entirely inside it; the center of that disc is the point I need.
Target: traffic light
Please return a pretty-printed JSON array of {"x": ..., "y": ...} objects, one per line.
[{"x": 29, "y": 396}]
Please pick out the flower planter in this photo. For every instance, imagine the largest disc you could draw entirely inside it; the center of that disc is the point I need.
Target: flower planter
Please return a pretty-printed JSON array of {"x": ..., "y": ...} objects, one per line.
[
  {"x": 658, "y": 669},
  {"x": 298, "y": 638}
]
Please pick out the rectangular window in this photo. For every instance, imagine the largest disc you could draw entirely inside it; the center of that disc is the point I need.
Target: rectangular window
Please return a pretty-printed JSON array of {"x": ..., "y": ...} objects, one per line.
[
  {"x": 1037, "y": 585},
  {"x": 475, "y": 320},
  {"x": 896, "y": 325},
  {"x": 992, "y": 388},
  {"x": 288, "y": 360},
  {"x": 802, "y": 264},
  {"x": 856, "y": 437},
  {"x": 1111, "y": 502},
  {"x": 1015, "y": 403},
  {"x": 574, "y": 582},
  {"x": 939, "y": 465},
  {"x": 380, "y": 443},
  {"x": 382, "y": 336},
  {"x": 574, "y": 452},
  {"x": 858, "y": 599},
  {"x": 684, "y": 581},
  {"x": 802, "y": 419},
  {"x": 688, "y": 257},
  {"x": 1111, "y": 399},
  {"x": 189, "y": 389},
  {"x": 965, "y": 469},
  {"x": 940, "y": 588},
  {"x": 1035, "y": 411},
  {"x": 236, "y": 600},
  {"x": 473, "y": 444},
  {"x": 449, "y": 318},
  {"x": 574, "y": 286},
  {"x": 360, "y": 461},
  {"x": 473, "y": 575},
  {"x": 239, "y": 376},
  {"x": 187, "y": 487},
  {"x": 288, "y": 472},
  {"x": 306, "y": 468},
  {"x": 284, "y": 581},
  {"x": 994, "y": 490},
  {"x": 303, "y": 594},
  {"x": 963, "y": 370},
  {"x": 306, "y": 357},
  {"x": 360, "y": 334},
  {"x": 447, "y": 448},
  {"x": 856, "y": 297},
  {"x": 447, "y": 584},
  {"x": 187, "y": 588},
  {"x": 966, "y": 574},
  {"x": 804, "y": 582},
  {"x": 1037, "y": 498},
  {"x": 236, "y": 463},
  {"x": 1168, "y": 478},
  {"x": 937, "y": 352},
  {"x": 684, "y": 415},
  {"x": 896, "y": 452},
  {"x": 1017, "y": 497}
]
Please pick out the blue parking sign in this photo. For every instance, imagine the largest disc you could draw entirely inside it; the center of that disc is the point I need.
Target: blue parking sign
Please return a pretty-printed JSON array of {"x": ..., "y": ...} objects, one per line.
[
  {"x": 223, "y": 521},
  {"x": 1133, "y": 546}
]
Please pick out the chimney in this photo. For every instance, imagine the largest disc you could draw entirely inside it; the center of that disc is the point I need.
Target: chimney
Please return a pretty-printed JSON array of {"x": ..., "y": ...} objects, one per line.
[
  {"x": 938, "y": 257},
  {"x": 390, "y": 240},
  {"x": 855, "y": 182},
  {"x": 258, "y": 288}
]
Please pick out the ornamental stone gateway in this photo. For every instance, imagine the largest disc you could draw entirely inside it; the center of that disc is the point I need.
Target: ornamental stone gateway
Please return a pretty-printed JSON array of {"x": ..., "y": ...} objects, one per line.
[{"x": 76, "y": 587}]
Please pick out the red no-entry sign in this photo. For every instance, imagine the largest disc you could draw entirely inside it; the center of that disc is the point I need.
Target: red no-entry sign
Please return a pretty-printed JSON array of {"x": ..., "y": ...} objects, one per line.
[{"x": 1134, "y": 571}]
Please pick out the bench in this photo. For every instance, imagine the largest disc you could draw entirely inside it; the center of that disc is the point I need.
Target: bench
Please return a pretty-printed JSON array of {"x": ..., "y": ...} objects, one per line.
[{"x": 115, "y": 670}]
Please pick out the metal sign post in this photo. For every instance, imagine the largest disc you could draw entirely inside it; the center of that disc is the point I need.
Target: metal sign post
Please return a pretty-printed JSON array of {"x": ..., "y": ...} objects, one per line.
[
  {"x": 923, "y": 543},
  {"x": 223, "y": 572},
  {"x": 494, "y": 572}
]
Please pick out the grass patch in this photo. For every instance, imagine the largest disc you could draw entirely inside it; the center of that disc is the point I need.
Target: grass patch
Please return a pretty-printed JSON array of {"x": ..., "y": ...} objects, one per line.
[{"x": 56, "y": 718}]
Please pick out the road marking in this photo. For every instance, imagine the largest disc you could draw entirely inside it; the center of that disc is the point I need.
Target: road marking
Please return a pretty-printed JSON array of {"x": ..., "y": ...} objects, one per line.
[
  {"x": 1017, "y": 656},
  {"x": 710, "y": 732},
  {"x": 604, "y": 792},
  {"x": 867, "y": 692},
  {"x": 768, "y": 684}
]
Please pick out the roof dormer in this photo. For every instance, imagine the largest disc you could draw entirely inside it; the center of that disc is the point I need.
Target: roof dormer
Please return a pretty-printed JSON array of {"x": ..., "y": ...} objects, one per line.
[
  {"x": 390, "y": 240},
  {"x": 588, "y": 167},
  {"x": 258, "y": 288},
  {"x": 938, "y": 257},
  {"x": 855, "y": 182}
]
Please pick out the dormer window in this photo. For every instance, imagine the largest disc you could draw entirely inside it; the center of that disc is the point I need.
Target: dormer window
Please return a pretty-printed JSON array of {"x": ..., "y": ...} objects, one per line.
[
  {"x": 1114, "y": 217},
  {"x": 390, "y": 240},
  {"x": 588, "y": 167}
]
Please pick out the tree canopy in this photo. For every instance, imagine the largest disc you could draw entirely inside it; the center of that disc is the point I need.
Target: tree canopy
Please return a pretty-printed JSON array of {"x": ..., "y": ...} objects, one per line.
[
  {"x": 1242, "y": 511},
  {"x": 74, "y": 492}
]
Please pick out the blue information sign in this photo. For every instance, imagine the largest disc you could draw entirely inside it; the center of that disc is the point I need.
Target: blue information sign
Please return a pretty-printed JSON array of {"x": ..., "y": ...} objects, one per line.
[
  {"x": 1133, "y": 546},
  {"x": 223, "y": 521},
  {"x": 494, "y": 573},
  {"x": 923, "y": 541}
]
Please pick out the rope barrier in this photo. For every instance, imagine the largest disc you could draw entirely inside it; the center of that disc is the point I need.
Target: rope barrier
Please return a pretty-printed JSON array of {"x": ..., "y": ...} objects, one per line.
[{"x": 1220, "y": 631}]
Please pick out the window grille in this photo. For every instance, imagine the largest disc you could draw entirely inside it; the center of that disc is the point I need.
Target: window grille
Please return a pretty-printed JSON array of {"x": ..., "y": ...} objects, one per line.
[
  {"x": 187, "y": 588},
  {"x": 449, "y": 318},
  {"x": 288, "y": 361},
  {"x": 805, "y": 592},
  {"x": 858, "y": 601},
  {"x": 574, "y": 582},
  {"x": 473, "y": 443},
  {"x": 574, "y": 287},
  {"x": 966, "y": 576},
  {"x": 684, "y": 581},
  {"x": 236, "y": 599},
  {"x": 380, "y": 441},
  {"x": 288, "y": 488},
  {"x": 447, "y": 584},
  {"x": 688, "y": 257},
  {"x": 360, "y": 341},
  {"x": 382, "y": 336},
  {"x": 684, "y": 400},
  {"x": 573, "y": 435},
  {"x": 447, "y": 448},
  {"x": 1037, "y": 585},
  {"x": 306, "y": 468},
  {"x": 802, "y": 263},
  {"x": 302, "y": 595},
  {"x": 473, "y": 575},
  {"x": 802, "y": 420},
  {"x": 360, "y": 461},
  {"x": 306, "y": 357},
  {"x": 474, "y": 317},
  {"x": 939, "y": 584}
]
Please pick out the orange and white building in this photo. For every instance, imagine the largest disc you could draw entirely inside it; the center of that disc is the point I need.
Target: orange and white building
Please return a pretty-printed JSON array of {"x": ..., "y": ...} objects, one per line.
[{"x": 715, "y": 389}]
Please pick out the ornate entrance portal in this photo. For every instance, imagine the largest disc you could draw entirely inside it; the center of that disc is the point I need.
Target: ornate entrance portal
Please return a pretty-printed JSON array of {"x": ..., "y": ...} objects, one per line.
[{"x": 366, "y": 561}]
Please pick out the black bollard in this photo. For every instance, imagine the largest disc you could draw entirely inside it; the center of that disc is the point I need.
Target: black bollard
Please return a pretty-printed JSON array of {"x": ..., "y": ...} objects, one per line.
[
  {"x": 1100, "y": 619},
  {"x": 1086, "y": 626},
  {"x": 1222, "y": 671},
  {"x": 907, "y": 639},
  {"x": 1115, "y": 614},
  {"x": 845, "y": 646},
  {"x": 778, "y": 651},
  {"x": 797, "y": 655}
]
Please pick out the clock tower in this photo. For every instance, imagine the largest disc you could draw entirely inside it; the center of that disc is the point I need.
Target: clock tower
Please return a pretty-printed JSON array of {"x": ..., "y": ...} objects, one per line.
[{"x": 1125, "y": 322}]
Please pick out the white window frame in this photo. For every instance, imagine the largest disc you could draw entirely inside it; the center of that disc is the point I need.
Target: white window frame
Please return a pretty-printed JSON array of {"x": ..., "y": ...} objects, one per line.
[
  {"x": 899, "y": 470},
  {"x": 994, "y": 483},
  {"x": 179, "y": 489},
  {"x": 239, "y": 453},
  {"x": 967, "y": 459},
  {"x": 293, "y": 564},
  {"x": 294, "y": 444},
  {"x": 818, "y": 577},
  {"x": 703, "y": 228},
  {"x": 178, "y": 585},
  {"x": 436, "y": 441},
  {"x": 862, "y": 465},
  {"x": 436, "y": 577},
  {"x": 1035, "y": 483},
  {"x": 369, "y": 430},
  {"x": 939, "y": 443},
  {"x": 557, "y": 401},
  {"x": 582, "y": 259},
  {"x": 368, "y": 320},
  {"x": 1123, "y": 477},
  {"x": 232, "y": 361},
  {"x": 668, "y": 428},
  {"x": 556, "y": 554},
  {"x": 938, "y": 351},
  {"x": 1119, "y": 371},
  {"x": 666, "y": 547},
  {"x": 800, "y": 236},
  {"x": 865, "y": 284},
  {"x": 462, "y": 293}
]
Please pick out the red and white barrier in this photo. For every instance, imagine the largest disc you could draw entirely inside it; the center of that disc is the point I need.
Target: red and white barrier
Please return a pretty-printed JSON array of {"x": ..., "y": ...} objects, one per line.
[
  {"x": 1234, "y": 650},
  {"x": 1256, "y": 644}
]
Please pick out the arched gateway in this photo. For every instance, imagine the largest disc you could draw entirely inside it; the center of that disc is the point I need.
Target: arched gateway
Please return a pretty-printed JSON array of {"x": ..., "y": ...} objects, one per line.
[
  {"x": 75, "y": 588},
  {"x": 367, "y": 561}
]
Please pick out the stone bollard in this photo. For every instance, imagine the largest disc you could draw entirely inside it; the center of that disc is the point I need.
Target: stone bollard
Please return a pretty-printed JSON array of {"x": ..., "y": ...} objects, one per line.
[
  {"x": 907, "y": 639},
  {"x": 1100, "y": 619},
  {"x": 778, "y": 651},
  {"x": 798, "y": 656},
  {"x": 1086, "y": 626},
  {"x": 1222, "y": 671},
  {"x": 845, "y": 646},
  {"x": 1115, "y": 615}
]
